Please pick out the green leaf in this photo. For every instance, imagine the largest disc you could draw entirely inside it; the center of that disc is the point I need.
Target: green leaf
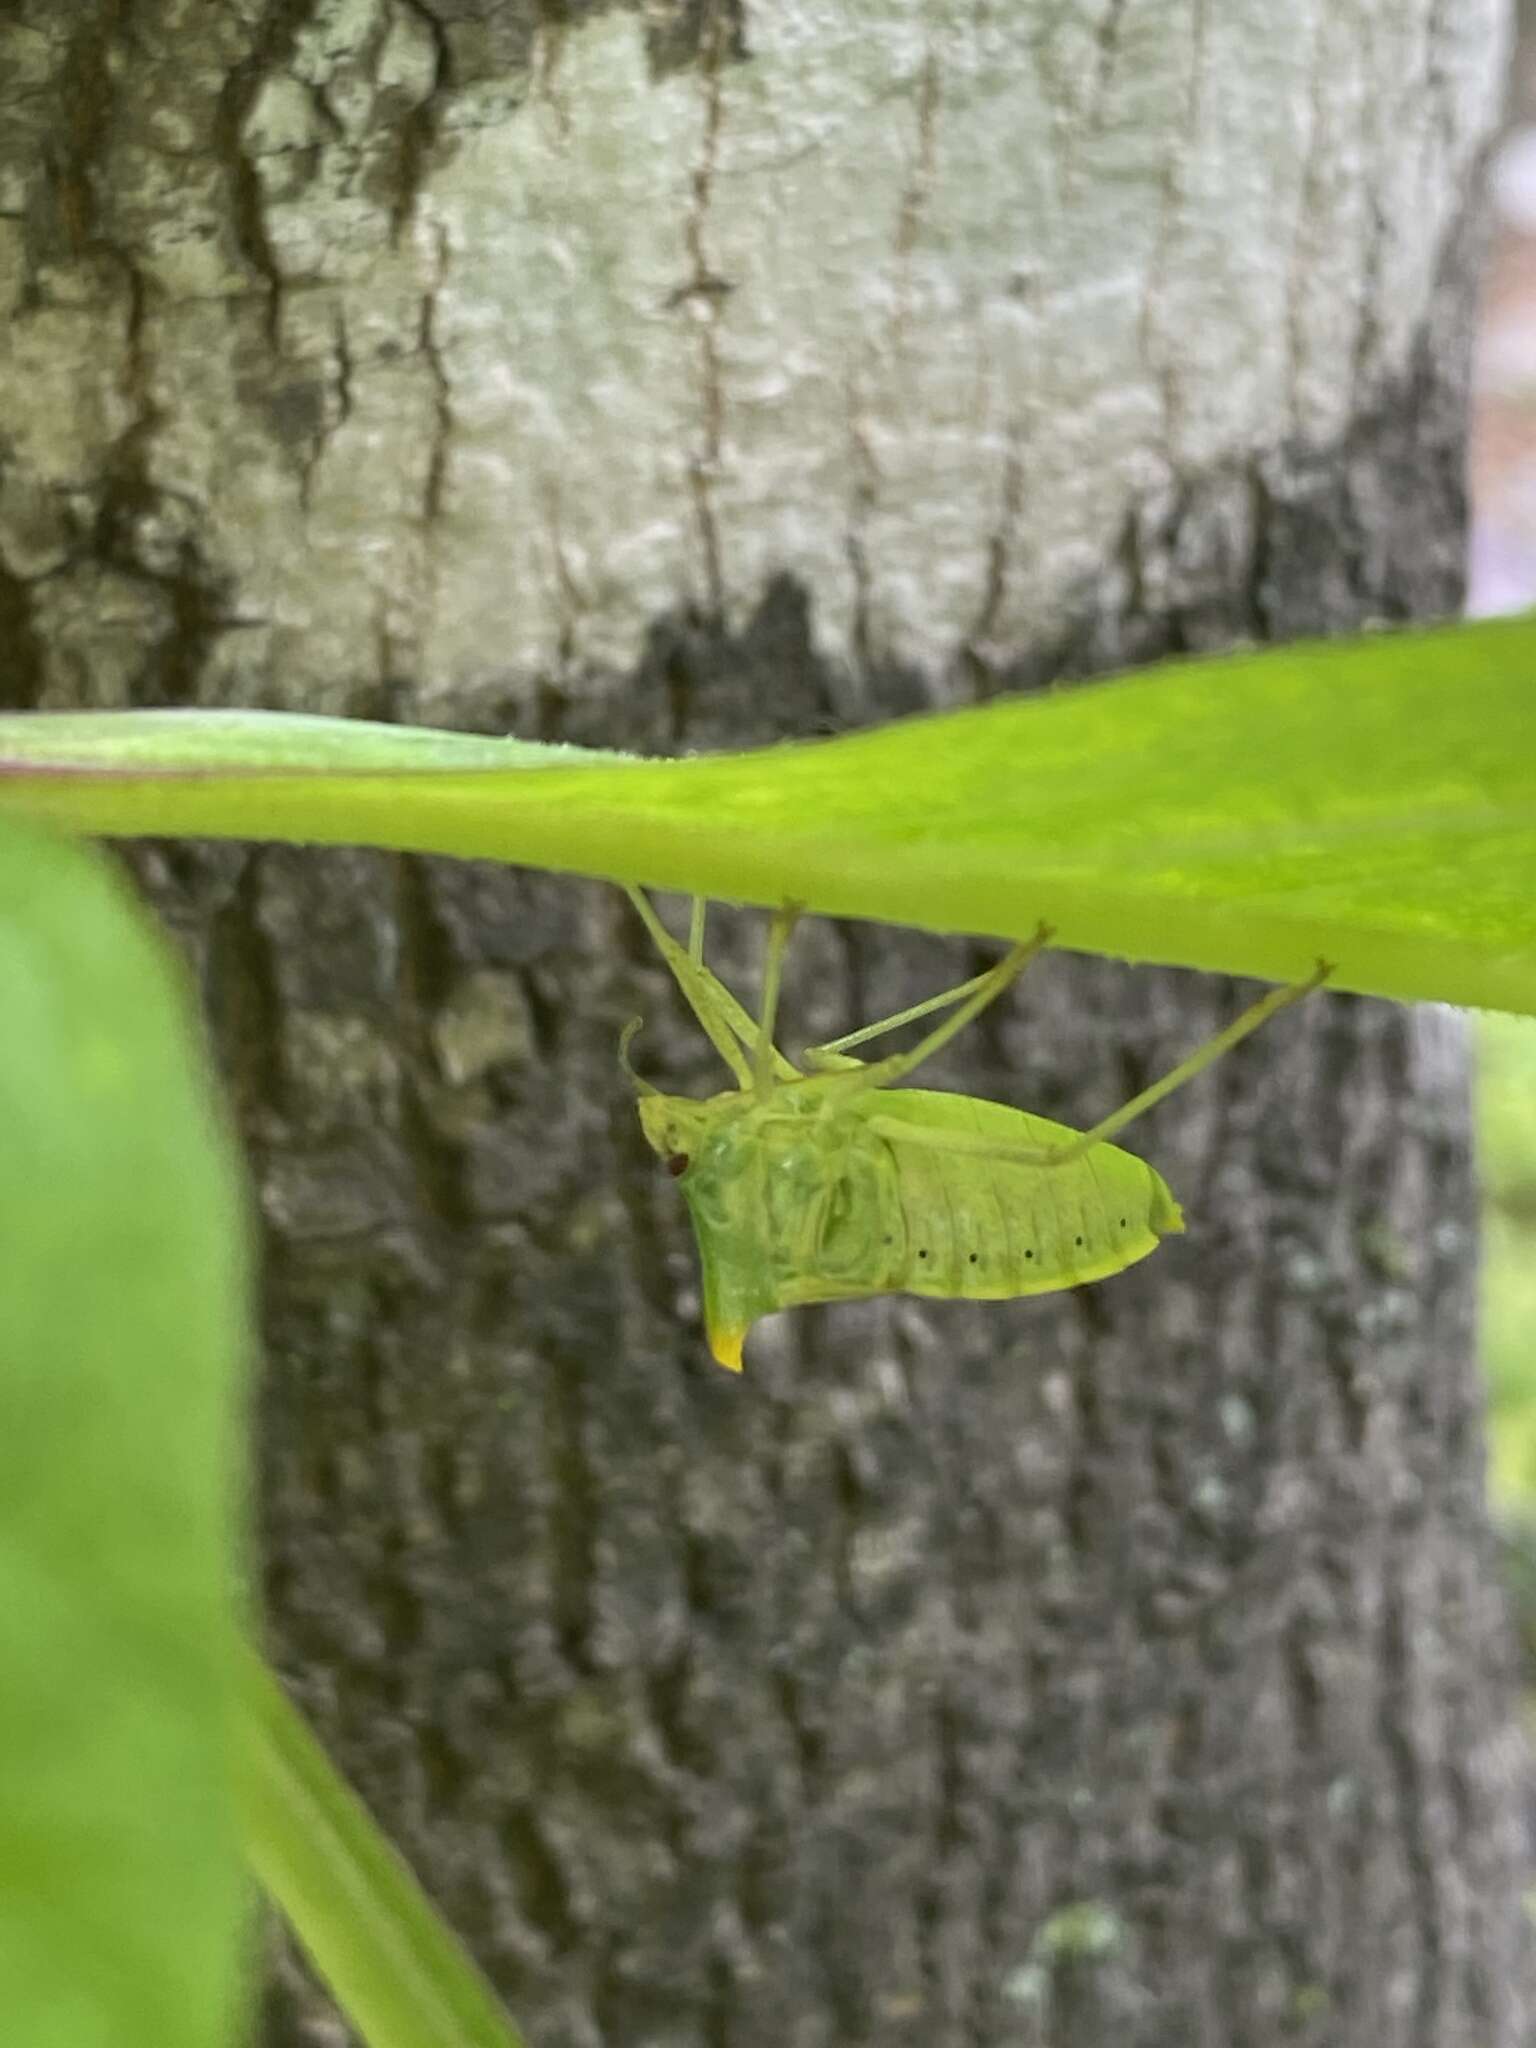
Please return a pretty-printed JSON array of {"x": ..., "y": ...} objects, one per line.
[
  {"x": 396, "y": 1969},
  {"x": 122, "y": 1291},
  {"x": 1369, "y": 801}
]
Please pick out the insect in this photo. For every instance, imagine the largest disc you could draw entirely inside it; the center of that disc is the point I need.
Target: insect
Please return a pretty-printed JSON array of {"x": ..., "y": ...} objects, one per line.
[{"x": 831, "y": 1184}]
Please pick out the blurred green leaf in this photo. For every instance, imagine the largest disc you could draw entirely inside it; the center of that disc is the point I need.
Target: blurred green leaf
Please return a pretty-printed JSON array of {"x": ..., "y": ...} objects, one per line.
[
  {"x": 395, "y": 1967},
  {"x": 122, "y": 1290},
  {"x": 1371, "y": 801}
]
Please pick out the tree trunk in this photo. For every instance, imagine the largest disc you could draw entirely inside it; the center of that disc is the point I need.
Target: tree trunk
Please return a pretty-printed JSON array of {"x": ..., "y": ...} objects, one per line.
[{"x": 1124, "y": 1667}]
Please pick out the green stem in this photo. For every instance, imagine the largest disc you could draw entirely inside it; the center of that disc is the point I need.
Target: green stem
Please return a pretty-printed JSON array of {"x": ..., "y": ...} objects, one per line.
[{"x": 396, "y": 1970}]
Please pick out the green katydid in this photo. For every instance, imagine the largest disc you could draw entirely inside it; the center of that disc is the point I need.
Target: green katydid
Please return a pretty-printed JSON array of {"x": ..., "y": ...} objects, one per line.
[{"x": 831, "y": 1185}]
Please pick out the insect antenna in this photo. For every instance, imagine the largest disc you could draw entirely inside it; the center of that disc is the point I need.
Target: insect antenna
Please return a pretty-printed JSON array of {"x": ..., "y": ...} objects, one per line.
[{"x": 637, "y": 1081}]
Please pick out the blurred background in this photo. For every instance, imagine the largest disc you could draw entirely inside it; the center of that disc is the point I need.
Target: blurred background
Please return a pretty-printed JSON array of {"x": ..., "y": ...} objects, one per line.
[{"x": 1503, "y": 579}]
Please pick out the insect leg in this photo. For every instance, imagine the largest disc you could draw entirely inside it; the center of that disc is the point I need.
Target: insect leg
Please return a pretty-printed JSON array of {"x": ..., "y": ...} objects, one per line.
[
  {"x": 735, "y": 1016},
  {"x": 695, "y": 983},
  {"x": 707, "y": 993},
  {"x": 784, "y": 922},
  {"x": 986, "y": 989},
  {"x": 1256, "y": 1014},
  {"x": 1062, "y": 1155},
  {"x": 826, "y": 1057},
  {"x": 732, "y": 1011}
]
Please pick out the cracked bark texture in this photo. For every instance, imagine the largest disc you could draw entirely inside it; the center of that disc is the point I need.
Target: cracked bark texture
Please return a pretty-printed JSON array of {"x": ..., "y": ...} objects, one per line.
[{"x": 1126, "y": 1667}]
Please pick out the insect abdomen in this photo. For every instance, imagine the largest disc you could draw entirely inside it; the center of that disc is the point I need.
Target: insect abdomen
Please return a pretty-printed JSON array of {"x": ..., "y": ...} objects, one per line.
[{"x": 990, "y": 1228}]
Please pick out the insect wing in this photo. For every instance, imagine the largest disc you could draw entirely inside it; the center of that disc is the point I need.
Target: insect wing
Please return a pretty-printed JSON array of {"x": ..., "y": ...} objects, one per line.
[{"x": 988, "y": 1226}]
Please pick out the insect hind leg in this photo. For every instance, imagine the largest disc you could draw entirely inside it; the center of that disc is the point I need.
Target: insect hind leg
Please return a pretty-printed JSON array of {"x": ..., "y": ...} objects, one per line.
[{"x": 1202, "y": 1057}]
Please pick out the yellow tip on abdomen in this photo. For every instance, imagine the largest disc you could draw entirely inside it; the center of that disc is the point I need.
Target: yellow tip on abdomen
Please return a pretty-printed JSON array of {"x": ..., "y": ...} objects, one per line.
[
  {"x": 1167, "y": 1218},
  {"x": 725, "y": 1345}
]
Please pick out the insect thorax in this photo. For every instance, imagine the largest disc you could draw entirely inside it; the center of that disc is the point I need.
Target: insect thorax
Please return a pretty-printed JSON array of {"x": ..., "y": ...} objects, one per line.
[{"x": 791, "y": 1204}]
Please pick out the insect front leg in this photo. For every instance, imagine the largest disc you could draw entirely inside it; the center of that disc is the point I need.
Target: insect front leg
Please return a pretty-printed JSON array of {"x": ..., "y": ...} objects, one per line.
[
  {"x": 723, "y": 1018},
  {"x": 779, "y": 932},
  {"x": 734, "y": 1015}
]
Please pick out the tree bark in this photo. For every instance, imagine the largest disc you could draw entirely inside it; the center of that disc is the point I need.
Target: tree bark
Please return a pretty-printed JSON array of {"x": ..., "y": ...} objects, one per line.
[{"x": 1124, "y": 1667}]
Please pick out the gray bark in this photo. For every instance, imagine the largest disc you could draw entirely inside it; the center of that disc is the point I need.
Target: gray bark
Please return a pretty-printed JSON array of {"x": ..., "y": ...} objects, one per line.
[{"x": 1126, "y": 1667}]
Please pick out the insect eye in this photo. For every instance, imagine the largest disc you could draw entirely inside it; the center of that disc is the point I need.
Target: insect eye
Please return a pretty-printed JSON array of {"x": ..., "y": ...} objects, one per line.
[{"x": 677, "y": 1163}]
